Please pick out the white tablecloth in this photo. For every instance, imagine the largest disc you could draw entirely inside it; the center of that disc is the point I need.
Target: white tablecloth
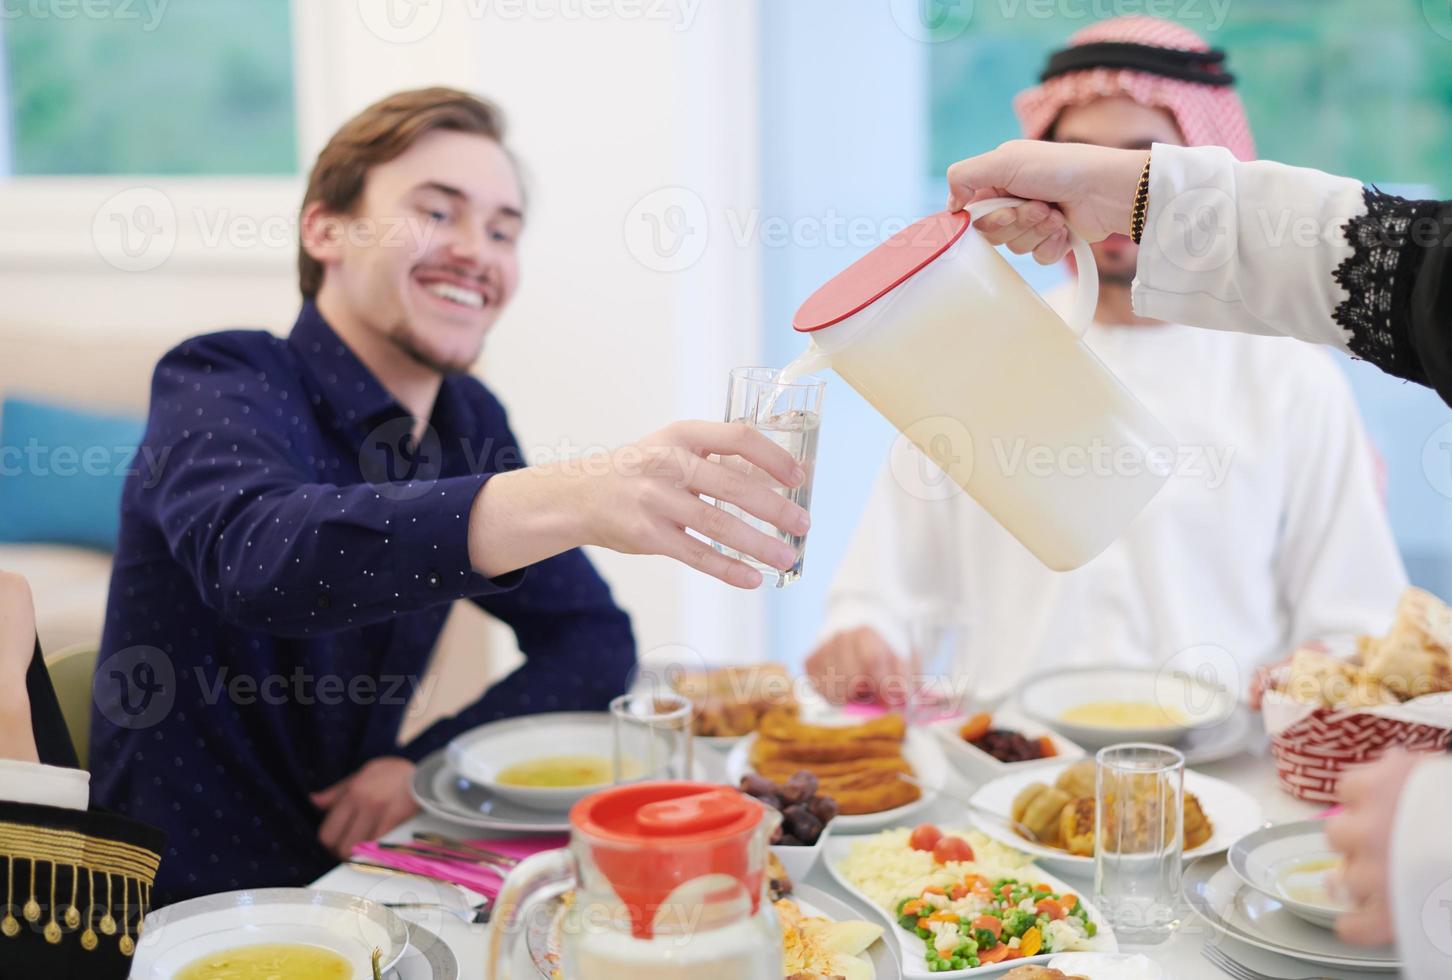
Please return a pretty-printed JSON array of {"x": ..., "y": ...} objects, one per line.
[{"x": 1180, "y": 955}]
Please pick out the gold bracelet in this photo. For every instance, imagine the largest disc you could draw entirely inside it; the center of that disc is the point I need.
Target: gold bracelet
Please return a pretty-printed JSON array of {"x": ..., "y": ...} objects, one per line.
[{"x": 1141, "y": 204}]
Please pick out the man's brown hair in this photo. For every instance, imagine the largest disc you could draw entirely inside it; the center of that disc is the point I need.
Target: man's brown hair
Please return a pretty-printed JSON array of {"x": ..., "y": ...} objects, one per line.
[{"x": 378, "y": 134}]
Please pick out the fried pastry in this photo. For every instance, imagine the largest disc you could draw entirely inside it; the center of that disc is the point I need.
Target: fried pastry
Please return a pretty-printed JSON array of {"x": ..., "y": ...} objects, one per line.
[
  {"x": 783, "y": 726},
  {"x": 1076, "y": 826},
  {"x": 1198, "y": 828},
  {"x": 1078, "y": 779},
  {"x": 765, "y": 750},
  {"x": 1037, "y": 806}
]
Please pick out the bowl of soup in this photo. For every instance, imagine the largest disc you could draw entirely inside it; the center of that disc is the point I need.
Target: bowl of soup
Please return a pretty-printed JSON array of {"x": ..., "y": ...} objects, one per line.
[
  {"x": 1099, "y": 706},
  {"x": 269, "y": 934},
  {"x": 548, "y": 762},
  {"x": 1294, "y": 864}
]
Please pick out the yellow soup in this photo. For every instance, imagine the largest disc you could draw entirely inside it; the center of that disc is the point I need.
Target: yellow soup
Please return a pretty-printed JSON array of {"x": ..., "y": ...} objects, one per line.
[
  {"x": 1122, "y": 714},
  {"x": 270, "y": 961},
  {"x": 1305, "y": 881},
  {"x": 558, "y": 772}
]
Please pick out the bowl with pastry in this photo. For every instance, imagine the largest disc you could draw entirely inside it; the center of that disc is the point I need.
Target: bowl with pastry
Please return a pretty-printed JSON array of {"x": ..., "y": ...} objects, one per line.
[
  {"x": 878, "y": 771},
  {"x": 1049, "y": 813},
  {"x": 728, "y": 702},
  {"x": 1344, "y": 701},
  {"x": 1099, "y": 706},
  {"x": 987, "y": 745}
]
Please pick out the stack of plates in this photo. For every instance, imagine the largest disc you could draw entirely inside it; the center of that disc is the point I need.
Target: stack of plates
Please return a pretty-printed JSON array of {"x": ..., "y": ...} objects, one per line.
[
  {"x": 459, "y": 783},
  {"x": 1250, "y": 915},
  {"x": 456, "y": 783}
]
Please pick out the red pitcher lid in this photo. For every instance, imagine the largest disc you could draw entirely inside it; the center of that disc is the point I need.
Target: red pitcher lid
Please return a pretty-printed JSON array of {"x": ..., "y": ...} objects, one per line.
[
  {"x": 649, "y": 838},
  {"x": 881, "y": 270}
]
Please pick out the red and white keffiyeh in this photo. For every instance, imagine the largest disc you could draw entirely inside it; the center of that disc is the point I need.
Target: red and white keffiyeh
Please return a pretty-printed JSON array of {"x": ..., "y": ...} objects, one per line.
[{"x": 1206, "y": 114}]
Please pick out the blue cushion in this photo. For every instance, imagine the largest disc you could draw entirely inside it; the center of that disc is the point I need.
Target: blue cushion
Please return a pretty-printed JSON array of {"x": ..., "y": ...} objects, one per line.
[{"x": 61, "y": 473}]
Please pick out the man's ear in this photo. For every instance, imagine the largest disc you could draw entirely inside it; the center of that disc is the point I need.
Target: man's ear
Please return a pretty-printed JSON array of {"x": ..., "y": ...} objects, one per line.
[{"x": 323, "y": 233}]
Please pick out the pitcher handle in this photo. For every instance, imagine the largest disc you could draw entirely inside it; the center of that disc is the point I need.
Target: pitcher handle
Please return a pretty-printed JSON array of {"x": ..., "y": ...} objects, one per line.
[
  {"x": 1086, "y": 300},
  {"x": 530, "y": 877}
]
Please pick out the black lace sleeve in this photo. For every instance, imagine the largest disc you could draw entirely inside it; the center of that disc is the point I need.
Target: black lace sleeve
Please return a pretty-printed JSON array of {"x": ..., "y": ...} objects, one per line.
[{"x": 1399, "y": 280}]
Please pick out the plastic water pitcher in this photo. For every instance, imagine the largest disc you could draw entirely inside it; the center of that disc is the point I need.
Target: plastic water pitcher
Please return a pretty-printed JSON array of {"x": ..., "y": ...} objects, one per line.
[
  {"x": 669, "y": 883},
  {"x": 939, "y": 333}
]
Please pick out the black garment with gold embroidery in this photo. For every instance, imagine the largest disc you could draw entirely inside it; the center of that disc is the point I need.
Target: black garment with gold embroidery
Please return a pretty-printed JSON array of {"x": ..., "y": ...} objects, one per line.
[{"x": 74, "y": 884}]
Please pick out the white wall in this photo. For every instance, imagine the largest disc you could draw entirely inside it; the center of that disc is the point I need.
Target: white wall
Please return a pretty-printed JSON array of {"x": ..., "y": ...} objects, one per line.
[{"x": 602, "y": 346}]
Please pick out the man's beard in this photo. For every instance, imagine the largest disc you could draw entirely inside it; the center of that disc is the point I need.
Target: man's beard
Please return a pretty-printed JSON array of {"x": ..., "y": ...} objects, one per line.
[{"x": 1111, "y": 277}]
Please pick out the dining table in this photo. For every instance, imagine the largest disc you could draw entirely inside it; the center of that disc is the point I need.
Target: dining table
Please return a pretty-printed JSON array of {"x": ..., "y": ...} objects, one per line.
[{"x": 1181, "y": 955}]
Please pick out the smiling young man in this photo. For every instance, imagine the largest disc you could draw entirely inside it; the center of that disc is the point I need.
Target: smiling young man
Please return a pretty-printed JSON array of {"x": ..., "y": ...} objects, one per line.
[{"x": 279, "y": 587}]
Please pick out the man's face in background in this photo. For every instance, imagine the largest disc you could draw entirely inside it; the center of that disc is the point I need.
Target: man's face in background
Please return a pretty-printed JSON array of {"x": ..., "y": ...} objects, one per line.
[{"x": 1123, "y": 123}]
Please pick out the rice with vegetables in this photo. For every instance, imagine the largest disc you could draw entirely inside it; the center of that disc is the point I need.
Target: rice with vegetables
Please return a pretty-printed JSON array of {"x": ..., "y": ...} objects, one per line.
[
  {"x": 971, "y": 901},
  {"x": 884, "y": 868}
]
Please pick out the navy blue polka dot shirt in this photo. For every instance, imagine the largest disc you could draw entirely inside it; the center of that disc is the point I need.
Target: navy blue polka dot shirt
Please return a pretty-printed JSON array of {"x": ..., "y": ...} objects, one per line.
[{"x": 287, "y": 556}]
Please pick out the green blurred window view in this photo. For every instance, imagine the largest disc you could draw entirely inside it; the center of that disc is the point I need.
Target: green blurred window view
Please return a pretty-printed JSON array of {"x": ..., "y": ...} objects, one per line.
[
  {"x": 1357, "y": 88},
  {"x": 181, "y": 87}
]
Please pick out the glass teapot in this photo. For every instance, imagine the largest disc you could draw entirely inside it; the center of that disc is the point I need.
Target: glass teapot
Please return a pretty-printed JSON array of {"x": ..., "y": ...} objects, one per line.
[
  {"x": 669, "y": 882},
  {"x": 948, "y": 342}
]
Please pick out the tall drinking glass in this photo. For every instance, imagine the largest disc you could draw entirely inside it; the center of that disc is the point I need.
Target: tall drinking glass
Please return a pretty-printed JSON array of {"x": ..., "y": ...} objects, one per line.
[
  {"x": 941, "y": 682},
  {"x": 652, "y": 733},
  {"x": 1139, "y": 839},
  {"x": 790, "y": 415}
]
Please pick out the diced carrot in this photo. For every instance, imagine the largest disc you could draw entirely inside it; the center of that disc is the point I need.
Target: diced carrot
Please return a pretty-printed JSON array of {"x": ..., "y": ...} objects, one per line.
[
  {"x": 1006, "y": 891},
  {"x": 957, "y": 892},
  {"x": 1046, "y": 747},
  {"x": 994, "y": 954},
  {"x": 943, "y": 917},
  {"x": 973, "y": 881},
  {"x": 935, "y": 890},
  {"x": 989, "y": 923},
  {"x": 976, "y": 727},
  {"x": 1031, "y": 942},
  {"x": 922, "y": 922},
  {"x": 1069, "y": 900},
  {"x": 1050, "y": 907},
  {"x": 914, "y": 907},
  {"x": 1041, "y": 887}
]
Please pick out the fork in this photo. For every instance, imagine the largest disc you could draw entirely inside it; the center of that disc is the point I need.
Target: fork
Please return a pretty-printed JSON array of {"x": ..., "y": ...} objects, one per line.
[
  {"x": 471, "y": 914},
  {"x": 454, "y": 844},
  {"x": 1221, "y": 959}
]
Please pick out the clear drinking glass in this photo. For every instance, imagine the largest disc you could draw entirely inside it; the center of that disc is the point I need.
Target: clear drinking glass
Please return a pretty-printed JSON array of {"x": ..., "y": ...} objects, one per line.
[
  {"x": 1139, "y": 839},
  {"x": 790, "y": 415},
  {"x": 652, "y": 735},
  {"x": 941, "y": 681}
]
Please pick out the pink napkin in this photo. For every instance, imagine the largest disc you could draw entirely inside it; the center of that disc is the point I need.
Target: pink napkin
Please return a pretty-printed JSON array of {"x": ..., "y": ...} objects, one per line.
[{"x": 472, "y": 876}]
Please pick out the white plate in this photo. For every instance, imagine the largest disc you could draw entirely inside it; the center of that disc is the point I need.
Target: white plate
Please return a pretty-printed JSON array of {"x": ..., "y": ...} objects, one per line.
[
  {"x": 480, "y": 754},
  {"x": 1240, "y": 912},
  {"x": 428, "y": 958},
  {"x": 798, "y": 860},
  {"x": 1233, "y": 813},
  {"x": 815, "y": 902},
  {"x": 1201, "y": 703},
  {"x": 1262, "y": 857},
  {"x": 445, "y": 794},
  {"x": 350, "y": 926},
  {"x": 979, "y": 766},
  {"x": 543, "y": 923},
  {"x": 910, "y": 947},
  {"x": 920, "y": 749}
]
